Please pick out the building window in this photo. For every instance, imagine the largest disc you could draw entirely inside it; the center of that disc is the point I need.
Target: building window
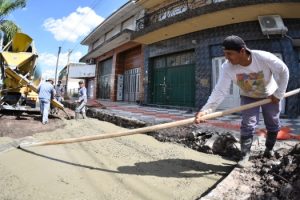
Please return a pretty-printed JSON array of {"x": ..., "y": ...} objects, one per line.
[{"x": 128, "y": 24}]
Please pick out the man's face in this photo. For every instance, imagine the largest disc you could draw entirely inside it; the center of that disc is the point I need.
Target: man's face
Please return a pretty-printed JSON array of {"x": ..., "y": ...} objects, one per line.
[{"x": 234, "y": 57}]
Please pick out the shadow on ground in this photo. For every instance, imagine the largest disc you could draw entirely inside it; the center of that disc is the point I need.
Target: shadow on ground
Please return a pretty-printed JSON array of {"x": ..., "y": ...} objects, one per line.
[{"x": 176, "y": 168}]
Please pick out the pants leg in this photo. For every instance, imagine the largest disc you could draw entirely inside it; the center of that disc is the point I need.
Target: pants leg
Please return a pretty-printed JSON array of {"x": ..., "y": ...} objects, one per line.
[
  {"x": 250, "y": 118},
  {"x": 271, "y": 113},
  {"x": 81, "y": 109},
  {"x": 45, "y": 106},
  {"x": 41, "y": 107}
]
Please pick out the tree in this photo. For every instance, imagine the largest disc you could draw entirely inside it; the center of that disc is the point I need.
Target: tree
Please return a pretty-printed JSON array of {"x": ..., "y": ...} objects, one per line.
[{"x": 9, "y": 27}]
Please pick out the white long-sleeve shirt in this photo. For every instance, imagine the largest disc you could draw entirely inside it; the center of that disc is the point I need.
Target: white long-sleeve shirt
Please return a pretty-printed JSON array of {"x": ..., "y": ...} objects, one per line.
[{"x": 266, "y": 75}]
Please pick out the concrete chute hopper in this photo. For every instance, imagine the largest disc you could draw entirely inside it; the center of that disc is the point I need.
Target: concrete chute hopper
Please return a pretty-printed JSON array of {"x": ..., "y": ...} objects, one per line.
[{"x": 20, "y": 76}]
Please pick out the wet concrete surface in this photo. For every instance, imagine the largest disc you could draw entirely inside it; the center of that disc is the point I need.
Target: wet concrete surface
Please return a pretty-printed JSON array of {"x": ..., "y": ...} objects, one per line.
[
  {"x": 222, "y": 137},
  {"x": 131, "y": 167},
  {"x": 257, "y": 182}
]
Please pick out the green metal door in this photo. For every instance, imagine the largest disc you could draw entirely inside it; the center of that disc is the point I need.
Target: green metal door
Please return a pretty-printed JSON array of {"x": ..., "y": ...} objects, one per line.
[
  {"x": 174, "y": 80},
  {"x": 159, "y": 86},
  {"x": 181, "y": 85}
]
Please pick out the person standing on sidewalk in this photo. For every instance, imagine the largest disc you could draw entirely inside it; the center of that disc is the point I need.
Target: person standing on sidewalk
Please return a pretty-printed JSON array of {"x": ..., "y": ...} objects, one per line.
[
  {"x": 259, "y": 75},
  {"x": 82, "y": 100},
  {"x": 46, "y": 94}
]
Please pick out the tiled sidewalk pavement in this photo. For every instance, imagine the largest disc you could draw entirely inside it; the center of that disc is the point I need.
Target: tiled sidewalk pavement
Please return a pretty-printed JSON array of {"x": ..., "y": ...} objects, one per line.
[
  {"x": 155, "y": 115},
  {"x": 151, "y": 115},
  {"x": 290, "y": 125}
]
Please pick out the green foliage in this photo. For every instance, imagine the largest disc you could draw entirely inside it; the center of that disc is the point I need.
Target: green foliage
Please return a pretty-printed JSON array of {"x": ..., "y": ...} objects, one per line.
[
  {"x": 7, "y": 6},
  {"x": 8, "y": 27}
]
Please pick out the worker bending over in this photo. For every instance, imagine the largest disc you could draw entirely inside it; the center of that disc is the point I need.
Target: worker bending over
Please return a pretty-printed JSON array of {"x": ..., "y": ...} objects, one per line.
[{"x": 259, "y": 75}]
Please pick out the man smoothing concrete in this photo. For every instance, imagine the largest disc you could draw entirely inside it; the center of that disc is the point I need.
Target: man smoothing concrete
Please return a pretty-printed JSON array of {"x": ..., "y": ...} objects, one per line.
[
  {"x": 259, "y": 75},
  {"x": 46, "y": 93},
  {"x": 82, "y": 100}
]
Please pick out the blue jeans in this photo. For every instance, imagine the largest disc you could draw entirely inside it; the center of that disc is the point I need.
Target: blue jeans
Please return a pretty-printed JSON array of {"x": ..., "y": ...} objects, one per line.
[
  {"x": 44, "y": 107},
  {"x": 250, "y": 117}
]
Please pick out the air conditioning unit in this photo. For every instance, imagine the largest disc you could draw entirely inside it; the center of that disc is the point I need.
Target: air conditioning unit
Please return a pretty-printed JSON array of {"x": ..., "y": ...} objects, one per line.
[{"x": 272, "y": 25}]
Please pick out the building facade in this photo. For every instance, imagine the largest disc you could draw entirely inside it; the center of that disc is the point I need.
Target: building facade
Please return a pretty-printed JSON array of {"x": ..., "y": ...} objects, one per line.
[
  {"x": 183, "y": 46},
  {"x": 169, "y": 52},
  {"x": 119, "y": 61}
]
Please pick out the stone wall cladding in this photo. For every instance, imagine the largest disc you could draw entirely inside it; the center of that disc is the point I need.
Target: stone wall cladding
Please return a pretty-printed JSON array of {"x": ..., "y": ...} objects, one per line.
[
  {"x": 118, "y": 120},
  {"x": 107, "y": 116},
  {"x": 207, "y": 44}
]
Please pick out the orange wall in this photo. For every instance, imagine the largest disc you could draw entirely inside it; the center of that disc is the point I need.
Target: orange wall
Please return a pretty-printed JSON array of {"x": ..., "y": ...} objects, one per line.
[{"x": 124, "y": 57}]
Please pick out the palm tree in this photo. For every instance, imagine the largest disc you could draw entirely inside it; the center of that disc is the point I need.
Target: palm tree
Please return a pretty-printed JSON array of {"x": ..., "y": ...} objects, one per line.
[{"x": 8, "y": 27}]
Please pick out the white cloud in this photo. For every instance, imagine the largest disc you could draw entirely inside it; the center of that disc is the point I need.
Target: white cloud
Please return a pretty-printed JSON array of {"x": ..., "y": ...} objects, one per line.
[
  {"x": 77, "y": 24},
  {"x": 47, "y": 61},
  {"x": 48, "y": 74}
]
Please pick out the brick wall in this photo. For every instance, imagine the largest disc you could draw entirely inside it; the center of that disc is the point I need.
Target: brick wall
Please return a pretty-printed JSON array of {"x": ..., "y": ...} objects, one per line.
[{"x": 122, "y": 56}]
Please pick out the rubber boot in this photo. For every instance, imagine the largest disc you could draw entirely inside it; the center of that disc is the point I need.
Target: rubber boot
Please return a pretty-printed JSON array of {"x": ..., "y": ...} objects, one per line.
[
  {"x": 245, "y": 151},
  {"x": 76, "y": 115},
  {"x": 270, "y": 142},
  {"x": 84, "y": 115}
]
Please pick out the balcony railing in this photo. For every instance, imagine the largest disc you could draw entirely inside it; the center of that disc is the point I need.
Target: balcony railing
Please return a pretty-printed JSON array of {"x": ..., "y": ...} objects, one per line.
[{"x": 176, "y": 8}]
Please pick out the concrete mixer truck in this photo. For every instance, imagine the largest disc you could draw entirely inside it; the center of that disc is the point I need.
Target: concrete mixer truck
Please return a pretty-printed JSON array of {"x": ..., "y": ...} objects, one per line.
[{"x": 20, "y": 75}]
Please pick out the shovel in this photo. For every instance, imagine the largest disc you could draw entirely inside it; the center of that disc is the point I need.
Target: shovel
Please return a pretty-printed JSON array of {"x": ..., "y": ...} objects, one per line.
[{"x": 155, "y": 127}]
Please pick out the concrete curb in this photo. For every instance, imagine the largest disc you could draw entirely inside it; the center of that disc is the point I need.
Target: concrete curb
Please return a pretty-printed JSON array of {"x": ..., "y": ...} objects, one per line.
[{"x": 105, "y": 115}]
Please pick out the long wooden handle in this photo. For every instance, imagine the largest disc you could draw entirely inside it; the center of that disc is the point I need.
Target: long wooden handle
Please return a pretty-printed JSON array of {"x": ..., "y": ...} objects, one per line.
[{"x": 158, "y": 126}]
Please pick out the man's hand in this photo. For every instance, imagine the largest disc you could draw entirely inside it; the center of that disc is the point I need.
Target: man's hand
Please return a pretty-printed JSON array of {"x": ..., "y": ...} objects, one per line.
[
  {"x": 274, "y": 99},
  {"x": 198, "y": 117}
]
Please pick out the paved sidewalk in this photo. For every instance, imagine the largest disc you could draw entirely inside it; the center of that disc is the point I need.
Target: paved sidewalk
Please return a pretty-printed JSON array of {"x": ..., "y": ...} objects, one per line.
[{"x": 156, "y": 115}]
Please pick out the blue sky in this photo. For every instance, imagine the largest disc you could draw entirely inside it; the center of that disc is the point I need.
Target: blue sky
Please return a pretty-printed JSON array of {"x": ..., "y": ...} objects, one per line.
[{"x": 65, "y": 23}]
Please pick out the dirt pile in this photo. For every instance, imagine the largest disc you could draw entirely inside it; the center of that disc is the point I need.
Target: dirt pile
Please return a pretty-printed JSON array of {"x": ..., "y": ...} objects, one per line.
[
  {"x": 203, "y": 138},
  {"x": 280, "y": 176},
  {"x": 267, "y": 179}
]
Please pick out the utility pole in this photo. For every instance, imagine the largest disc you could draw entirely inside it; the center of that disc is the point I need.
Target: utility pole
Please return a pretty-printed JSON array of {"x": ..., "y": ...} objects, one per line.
[
  {"x": 1, "y": 39},
  {"x": 59, "y": 48},
  {"x": 68, "y": 70}
]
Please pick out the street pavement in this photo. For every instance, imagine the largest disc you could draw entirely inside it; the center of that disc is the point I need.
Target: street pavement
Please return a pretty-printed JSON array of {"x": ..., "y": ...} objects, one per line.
[{"x": 157, "y": 115}]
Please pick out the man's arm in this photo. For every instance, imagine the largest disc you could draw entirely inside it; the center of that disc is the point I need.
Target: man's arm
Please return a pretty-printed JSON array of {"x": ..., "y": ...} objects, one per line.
[
  {"x": 281, "y": 75},
  {"x": 217, "y": 96}
]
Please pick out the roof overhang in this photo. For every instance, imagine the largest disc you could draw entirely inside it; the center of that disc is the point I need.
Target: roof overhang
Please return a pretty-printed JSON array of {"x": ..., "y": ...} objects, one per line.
[
  {"x": 149, "y": 4},
  {"x": 116, "y": 41},
  {"x": 216, "y": 19},
  {"x": 124, "y": 12}
]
